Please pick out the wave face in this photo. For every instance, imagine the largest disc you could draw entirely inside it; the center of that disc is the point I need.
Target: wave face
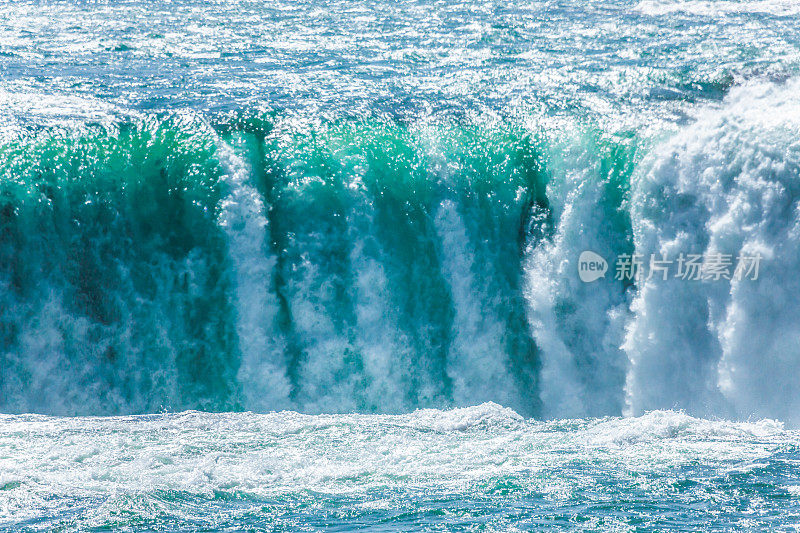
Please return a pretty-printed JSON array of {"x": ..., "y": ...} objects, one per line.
[
  {"x": 170, "y": 264},
  {"x": 263, "y": 263}
]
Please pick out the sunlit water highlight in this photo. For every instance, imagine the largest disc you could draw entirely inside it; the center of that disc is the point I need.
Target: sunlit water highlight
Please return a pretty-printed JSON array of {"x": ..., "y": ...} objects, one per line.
[
  {"x": 220, "y": 210},
  {"x": 481, "y": 466}
]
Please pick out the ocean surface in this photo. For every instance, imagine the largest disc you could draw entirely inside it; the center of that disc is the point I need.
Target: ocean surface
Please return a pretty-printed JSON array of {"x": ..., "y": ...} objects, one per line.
[
  {"x": 308, "y": 264},
  {"x": 476, "y": 468}
]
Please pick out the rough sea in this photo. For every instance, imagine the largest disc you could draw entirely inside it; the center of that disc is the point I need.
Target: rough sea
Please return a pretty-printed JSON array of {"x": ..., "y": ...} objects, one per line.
[{"x": 408, "y": 265}]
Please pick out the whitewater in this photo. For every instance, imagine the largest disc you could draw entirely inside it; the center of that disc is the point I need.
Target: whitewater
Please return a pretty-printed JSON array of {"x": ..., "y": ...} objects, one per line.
[
  {"x": 308, "y": 265},
  {"x": 429, "y": 469}
]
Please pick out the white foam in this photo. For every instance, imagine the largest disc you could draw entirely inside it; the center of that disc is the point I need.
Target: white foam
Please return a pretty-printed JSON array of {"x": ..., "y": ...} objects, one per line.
[
  {"x": 672, "y": 425},
  {"x": 485, "y": 415},
  {"x": 782, "y": 8},
  {"x": 263, "y": 367},
  {"x": 730, "y": 183},
  {"x": 576, "y": 324},
  {"x": 104, "y": 464}
]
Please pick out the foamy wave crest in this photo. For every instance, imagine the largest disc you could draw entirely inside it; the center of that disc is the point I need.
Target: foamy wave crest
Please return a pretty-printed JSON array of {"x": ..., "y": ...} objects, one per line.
[
  {"x": 667, "y": 425},
  {"x": 729, "y": 184}
]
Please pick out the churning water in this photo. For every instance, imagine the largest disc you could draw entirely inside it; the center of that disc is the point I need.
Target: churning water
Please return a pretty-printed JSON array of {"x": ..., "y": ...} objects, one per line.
[{"x": 348, "y": 233}]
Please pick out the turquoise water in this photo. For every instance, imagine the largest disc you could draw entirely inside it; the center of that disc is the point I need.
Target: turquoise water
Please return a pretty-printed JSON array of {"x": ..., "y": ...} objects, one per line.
[
  {"x": 315, "y": 265},
  {"x": 481, "y": 467}
]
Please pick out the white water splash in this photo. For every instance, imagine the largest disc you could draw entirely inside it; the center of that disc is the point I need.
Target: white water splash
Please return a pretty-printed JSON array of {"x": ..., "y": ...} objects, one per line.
[
  {"x": 476, "y": 363},
  {"x": 728, "y": 184},
  {"x": 577, "y": 326},
  {"x": 263, "y": 367},
  {"x": 378, "y": 336}
]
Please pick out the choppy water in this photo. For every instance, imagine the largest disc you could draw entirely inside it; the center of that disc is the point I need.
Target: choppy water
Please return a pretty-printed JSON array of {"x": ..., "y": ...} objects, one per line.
[
  {"x": 612, "y": 61},
  {"x": 479, "y": 467},
  {"x": 377, "y": 208}
]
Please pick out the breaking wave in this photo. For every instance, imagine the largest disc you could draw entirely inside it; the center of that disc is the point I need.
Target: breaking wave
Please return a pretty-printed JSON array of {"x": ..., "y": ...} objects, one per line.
[{"x": 258, "y": 262}]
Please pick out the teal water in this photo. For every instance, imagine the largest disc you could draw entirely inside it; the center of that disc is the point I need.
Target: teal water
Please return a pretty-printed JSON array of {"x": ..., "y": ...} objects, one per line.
[
  {"x": 314, "y": 265},
  {"x": 481, "y": 467}
]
